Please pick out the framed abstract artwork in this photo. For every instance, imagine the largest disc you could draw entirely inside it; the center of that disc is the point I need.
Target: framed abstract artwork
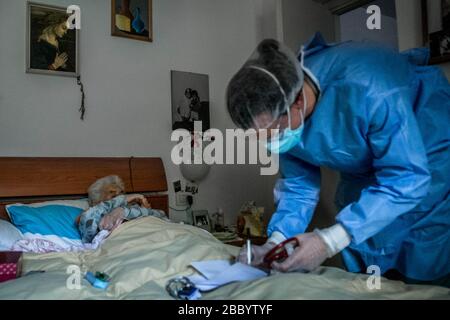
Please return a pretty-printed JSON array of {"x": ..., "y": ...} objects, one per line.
[
  {"x": 52, "y": 48},
  {"x": 132, "y": 19},
  {"x": 436, "y": 29}
]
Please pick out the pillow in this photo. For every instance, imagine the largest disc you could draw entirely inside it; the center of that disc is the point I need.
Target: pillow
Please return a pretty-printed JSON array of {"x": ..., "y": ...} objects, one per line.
[
  {"x": 8, "y": 235},
  {"x": 51, "y": 218}
]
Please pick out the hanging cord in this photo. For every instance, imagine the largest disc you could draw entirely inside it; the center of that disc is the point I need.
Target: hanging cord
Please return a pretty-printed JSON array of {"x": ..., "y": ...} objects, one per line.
[
  {"x": 82, "y": 108},
  {"x": 130, "y": 160}
]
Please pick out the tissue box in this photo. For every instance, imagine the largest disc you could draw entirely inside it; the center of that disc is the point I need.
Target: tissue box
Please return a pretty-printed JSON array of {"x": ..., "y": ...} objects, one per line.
[{"x": 10, "y": 265}]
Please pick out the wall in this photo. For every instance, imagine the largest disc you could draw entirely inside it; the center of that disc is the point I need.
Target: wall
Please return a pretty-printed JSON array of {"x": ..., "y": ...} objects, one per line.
[
  {"x": 409, "y": 19},
  {"x": 301, "y": 19},
  {"x": 127, "y": 85},
  {"x": 352, "y": 24}
]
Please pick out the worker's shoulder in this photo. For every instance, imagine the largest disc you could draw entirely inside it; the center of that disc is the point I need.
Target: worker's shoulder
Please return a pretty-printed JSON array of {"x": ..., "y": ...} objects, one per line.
[{"x": 361, "y": 61}]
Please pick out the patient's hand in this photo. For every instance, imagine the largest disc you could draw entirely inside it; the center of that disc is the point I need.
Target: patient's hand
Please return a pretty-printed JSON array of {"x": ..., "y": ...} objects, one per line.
[
  {"x": 112, "y": 220},
  {"x": 139, "y": 199}
]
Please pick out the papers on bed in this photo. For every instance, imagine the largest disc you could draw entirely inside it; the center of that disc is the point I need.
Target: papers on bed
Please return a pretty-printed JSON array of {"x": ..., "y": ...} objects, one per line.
[{"x": 216, "y": 273}]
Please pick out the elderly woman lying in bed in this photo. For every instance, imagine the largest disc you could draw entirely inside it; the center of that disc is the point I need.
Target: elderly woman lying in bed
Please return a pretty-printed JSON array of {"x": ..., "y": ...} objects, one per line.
[{"x": 110, "y": 207}]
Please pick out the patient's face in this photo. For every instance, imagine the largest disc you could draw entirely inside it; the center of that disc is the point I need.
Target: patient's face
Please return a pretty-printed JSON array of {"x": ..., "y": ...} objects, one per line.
[{"x": 111, "y": 191}]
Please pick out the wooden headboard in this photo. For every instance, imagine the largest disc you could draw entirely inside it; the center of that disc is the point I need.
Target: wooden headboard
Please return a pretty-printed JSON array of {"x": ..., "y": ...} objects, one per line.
[{"x": 29, "y": 180}]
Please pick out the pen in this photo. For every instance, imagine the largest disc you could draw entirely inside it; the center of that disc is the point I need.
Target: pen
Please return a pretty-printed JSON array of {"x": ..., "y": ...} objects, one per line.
[{"x": 249, "y": 252}]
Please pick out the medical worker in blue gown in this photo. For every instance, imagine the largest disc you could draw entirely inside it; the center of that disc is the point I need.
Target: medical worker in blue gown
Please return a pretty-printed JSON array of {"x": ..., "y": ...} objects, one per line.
[{"x": 382, "y": 120}]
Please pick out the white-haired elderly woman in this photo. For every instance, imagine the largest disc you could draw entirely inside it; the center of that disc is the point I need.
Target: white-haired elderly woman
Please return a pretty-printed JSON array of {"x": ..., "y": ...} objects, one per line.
[{"x": 110, "y": 207}]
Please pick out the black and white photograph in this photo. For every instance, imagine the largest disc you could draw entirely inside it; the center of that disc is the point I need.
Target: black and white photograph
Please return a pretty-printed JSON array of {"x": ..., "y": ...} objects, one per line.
[
  {"x": 177, "y": 186},
  {"x": 202, "y": 219},
  {"x": 436, "y": 23},
  {"x": 190, "y": 100}
]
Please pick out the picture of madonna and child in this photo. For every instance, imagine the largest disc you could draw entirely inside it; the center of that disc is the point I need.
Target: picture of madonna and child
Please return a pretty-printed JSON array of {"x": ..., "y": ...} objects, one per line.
[{"x": 109, "y": 207}]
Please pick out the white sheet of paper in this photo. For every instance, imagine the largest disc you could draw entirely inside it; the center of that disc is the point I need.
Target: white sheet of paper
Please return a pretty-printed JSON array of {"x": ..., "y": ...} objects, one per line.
[{"x": 216, "y": 273}]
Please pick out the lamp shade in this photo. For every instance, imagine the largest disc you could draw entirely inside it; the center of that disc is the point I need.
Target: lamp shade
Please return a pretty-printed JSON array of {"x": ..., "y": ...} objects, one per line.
[{"x": 194, "y": 172}]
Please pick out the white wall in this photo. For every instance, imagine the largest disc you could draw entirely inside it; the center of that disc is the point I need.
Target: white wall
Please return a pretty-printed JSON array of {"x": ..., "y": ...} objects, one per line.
[
  {"x": 127, "y": 85},
  {"x": 351, "y": 28},
  {"x": 409, "y": 19},
  {"x": 301, "y": 19}
]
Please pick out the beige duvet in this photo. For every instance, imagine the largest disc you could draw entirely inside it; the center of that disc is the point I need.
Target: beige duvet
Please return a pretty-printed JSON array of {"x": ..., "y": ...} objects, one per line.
[{"x": 142, "y": 255}]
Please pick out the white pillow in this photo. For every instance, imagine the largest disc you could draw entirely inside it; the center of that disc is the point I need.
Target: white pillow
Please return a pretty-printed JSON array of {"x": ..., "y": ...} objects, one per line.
[{"x": 8, "y": 235}]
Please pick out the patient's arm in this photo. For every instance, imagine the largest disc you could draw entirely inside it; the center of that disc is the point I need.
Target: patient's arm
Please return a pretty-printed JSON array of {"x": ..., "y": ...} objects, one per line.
[
  {"x": 90, "y": 219},
  {"x": 138, "y": 199},
  {"x": 135, "y": 211}
]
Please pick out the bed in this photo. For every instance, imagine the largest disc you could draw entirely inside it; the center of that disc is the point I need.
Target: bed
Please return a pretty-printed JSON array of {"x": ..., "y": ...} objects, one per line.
[{"x": 142, "y": 255}]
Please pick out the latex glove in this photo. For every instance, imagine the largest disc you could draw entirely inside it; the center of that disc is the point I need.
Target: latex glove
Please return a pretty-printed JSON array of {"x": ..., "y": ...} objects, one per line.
[
  {"x": 311, "y": 253},
  {"x": 112, "y": 220},
  {"x": 258, "y": 254}
]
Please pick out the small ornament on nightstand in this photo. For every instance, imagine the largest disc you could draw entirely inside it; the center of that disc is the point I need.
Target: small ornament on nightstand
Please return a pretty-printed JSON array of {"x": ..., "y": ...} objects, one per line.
[
  {"x": 219, "y": 220},
  {"x": 250, "y": 220}
]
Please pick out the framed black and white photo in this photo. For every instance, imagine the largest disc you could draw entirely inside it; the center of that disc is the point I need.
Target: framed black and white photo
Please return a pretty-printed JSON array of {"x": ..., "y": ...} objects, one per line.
[
  {"x": 52, "y": 48},
  {"x": 436, "y": 29},
  {"x": 190, "y": 100},
  {"x": 202, "y": 219}
]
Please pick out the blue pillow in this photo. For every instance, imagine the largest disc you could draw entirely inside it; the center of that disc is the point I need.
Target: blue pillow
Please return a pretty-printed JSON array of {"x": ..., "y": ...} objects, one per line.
[{"x": 58, "y": 220}]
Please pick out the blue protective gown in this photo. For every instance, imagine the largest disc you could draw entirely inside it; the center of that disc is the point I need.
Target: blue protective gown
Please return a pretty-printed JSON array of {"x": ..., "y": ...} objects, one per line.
[{"x": 381, "y": 120}]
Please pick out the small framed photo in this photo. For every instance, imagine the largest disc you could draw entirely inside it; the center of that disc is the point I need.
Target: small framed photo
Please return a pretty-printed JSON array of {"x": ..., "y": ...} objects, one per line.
[
  {"x": 177, "y": 186},
  {"x": 436, "y": 29},
  {"x": 132, "y": 19},
  {"x": 52, "y": 48},
  {"x": 202, "y": 220}
]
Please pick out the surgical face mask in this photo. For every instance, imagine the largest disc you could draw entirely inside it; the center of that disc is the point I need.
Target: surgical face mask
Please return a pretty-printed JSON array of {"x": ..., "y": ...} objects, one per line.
[{"x": 285, "y": 140}]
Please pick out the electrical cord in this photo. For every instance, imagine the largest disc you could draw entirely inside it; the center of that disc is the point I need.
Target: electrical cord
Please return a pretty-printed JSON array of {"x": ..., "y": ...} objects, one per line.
[{"x": 83, "y": 96}]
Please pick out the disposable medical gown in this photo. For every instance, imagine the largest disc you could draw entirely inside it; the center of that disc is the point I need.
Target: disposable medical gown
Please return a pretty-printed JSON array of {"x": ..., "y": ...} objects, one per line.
[{"x": 382, "y": 120}]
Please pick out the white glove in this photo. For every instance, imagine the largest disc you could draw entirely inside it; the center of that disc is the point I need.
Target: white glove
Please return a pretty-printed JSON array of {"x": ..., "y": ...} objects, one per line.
[
  {"x": 311, "y": 253},
  {"x": 315, "y": 248}
]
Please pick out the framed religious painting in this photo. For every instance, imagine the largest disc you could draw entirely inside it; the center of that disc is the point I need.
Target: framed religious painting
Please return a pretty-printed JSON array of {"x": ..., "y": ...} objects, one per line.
[{"x": 52, "y": 48}]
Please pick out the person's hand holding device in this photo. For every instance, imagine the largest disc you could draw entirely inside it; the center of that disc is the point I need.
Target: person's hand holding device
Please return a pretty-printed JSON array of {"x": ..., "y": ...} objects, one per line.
[{"x": 310, "y": 254}]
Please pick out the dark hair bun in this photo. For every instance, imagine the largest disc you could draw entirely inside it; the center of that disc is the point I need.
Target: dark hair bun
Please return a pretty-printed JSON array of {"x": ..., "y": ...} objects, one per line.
[{"x": 268, "y": 46}]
